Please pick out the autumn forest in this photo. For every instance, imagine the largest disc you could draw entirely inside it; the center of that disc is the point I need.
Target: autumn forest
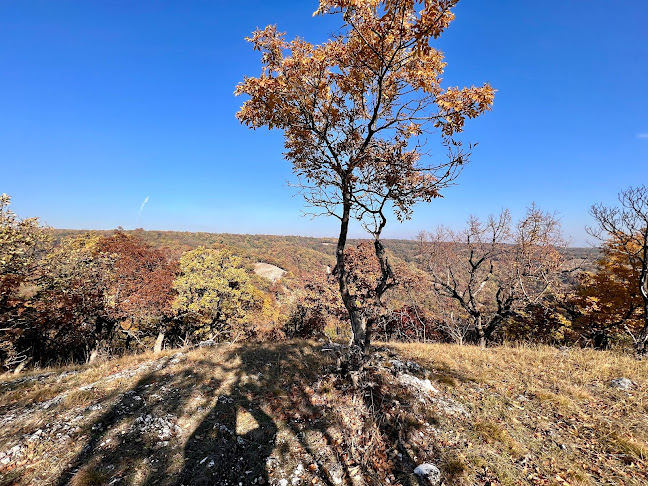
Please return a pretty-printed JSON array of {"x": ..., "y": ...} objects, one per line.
[
  {"x": 359, "y": 114},
  {"x": 68, "y": 295}
]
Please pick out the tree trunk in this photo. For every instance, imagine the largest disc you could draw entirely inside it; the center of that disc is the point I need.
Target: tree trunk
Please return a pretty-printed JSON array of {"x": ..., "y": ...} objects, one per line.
[
  {"x": 158, "y": 343},
  {"x": 480, "y": 331},
  {"x": 93, "y": 355},
  {"x": 642, "y": 341},
  {"x": 21, "y": 366},
  {"x": 387, "y": 279},
  {"x": 356, "y": 316}
]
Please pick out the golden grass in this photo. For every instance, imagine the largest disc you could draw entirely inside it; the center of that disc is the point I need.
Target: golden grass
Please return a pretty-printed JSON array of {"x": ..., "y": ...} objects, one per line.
[
  {"x": 544, "y": 414},
  {"x": 90, "y": 477}
]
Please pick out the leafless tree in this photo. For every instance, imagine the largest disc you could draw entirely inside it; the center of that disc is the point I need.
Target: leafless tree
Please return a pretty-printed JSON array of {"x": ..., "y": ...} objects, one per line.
[
  {"x": 493, "y": 269},
  {"x": 627, "y": 226},
  {"x": 453, "y": 322}
]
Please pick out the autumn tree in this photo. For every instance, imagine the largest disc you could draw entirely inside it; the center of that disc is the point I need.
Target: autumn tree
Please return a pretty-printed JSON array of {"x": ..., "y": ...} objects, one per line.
[
  {"x": 99, "y": 291},
  {"x": 140, "y": 291},
  {"x": 72, "y": 318},
  {"x": 493, "y": 269},
  {"x": 626, "y": 226},
  {"x": 23, "y": 242},
  {"x": 356, "y": 112},
  {"x": 605, "y": 302},
  {"x": 214, "y": 293},
  {"x": 320, "y": 300}
]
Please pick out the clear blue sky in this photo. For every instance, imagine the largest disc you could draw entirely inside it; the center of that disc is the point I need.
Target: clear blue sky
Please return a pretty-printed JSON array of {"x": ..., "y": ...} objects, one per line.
[{"x": 104, "y": 103}]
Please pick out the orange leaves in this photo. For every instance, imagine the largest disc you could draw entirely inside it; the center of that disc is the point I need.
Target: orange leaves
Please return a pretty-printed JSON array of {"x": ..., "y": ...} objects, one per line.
[
  {"x": 610, "y": 299},
  {"x": 356, "y": 111},
  {"x": 422, "y": 20},
  {"x": 458, "y": 104},
  {"x": 271, "y": 42},
  {"x": 350, "y": 89}
]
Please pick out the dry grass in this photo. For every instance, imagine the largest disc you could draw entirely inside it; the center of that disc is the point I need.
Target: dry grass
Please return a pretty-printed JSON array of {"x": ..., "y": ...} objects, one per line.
[
  {"x": 543, "y": 415},
  {"x": 276, "y": 411},
  {"x": 89, "y": 477}
]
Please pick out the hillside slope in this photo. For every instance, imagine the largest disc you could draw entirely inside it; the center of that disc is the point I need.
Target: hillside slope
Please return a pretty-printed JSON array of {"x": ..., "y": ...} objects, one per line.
[
  {"x": 278, "y": 414},
  {"x": 300, "y": 255}
]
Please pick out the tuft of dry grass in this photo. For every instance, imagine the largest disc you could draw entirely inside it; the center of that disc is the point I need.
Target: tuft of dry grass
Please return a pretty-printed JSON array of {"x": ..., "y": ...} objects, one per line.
[{"x": 90, "y": 477}]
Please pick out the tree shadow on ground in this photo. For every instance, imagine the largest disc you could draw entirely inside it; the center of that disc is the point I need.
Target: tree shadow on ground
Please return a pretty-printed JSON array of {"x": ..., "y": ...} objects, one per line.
[
  {"x": 130, "y": 442},
  {"x": 237, "y": 442},
  {"x": 231, "y": 445},
  {"x": 266, "y": 412}
]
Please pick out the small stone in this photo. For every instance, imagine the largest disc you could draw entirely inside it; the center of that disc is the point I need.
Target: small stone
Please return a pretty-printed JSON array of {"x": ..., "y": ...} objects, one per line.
[
  {"x": 417, "y": 384},
  {"x": 429, "y": 472},
  {"x": 622, "y": 383}
]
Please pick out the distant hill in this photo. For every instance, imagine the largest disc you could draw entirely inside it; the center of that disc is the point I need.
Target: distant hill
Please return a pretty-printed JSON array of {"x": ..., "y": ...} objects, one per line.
[{"x": 299, "y": 255}]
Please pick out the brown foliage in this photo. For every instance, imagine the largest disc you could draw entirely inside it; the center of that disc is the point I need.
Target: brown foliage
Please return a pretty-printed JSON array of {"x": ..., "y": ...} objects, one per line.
[
  {"x": 608, "y": 302},
  {"x": 356, "y": 111},
  {"x": 627, "y": 226},
  {"x": 140, "y": 288}
]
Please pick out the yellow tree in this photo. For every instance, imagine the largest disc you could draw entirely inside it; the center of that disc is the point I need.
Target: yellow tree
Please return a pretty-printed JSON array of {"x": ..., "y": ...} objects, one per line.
[
  {"x": 22, "y": 242},
  {"x": 356, "y": 112},
  {"x": 607, "y": 301},
  {"x": 22, "y": 245},
  {"x": 214, "y": 293},
  {"x": 627, "y": 227}
]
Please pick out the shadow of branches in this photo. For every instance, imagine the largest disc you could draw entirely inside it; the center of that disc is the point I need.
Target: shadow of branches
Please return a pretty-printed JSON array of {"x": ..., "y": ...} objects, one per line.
[{"x": 249, "y": 414}]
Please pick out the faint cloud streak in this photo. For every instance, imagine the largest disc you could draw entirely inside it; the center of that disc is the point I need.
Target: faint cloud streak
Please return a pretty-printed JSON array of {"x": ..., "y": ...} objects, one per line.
[
  {"x": 643, "y": 136},
  {"x": 142, "y": 207}
]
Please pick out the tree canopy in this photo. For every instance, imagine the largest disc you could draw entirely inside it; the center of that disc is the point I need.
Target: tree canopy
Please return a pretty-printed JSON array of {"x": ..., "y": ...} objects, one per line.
[
  {"x": 493, "y": 269},
  {"x": 356, "y": 112},
  {"x": 214, "y": 292}
]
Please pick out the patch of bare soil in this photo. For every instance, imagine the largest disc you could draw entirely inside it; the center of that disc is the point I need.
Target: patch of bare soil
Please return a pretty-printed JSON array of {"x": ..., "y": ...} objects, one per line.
[{"x": 271, "y": 272}]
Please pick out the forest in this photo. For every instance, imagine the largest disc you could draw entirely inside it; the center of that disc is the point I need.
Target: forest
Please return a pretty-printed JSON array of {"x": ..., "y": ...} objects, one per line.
[{"x": 71, "y": 296}]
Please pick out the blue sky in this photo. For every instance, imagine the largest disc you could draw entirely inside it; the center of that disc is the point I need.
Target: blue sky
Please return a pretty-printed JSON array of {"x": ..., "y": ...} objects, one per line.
[{"x": 105, "y": 103}]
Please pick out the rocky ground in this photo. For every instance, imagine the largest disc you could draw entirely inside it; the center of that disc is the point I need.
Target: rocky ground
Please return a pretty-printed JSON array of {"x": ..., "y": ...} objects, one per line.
[{"x": 284, "y": 414}]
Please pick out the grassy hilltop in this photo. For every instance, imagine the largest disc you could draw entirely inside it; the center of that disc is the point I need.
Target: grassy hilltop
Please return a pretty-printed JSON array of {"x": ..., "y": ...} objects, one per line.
[{"x": 280, "y": 414}]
